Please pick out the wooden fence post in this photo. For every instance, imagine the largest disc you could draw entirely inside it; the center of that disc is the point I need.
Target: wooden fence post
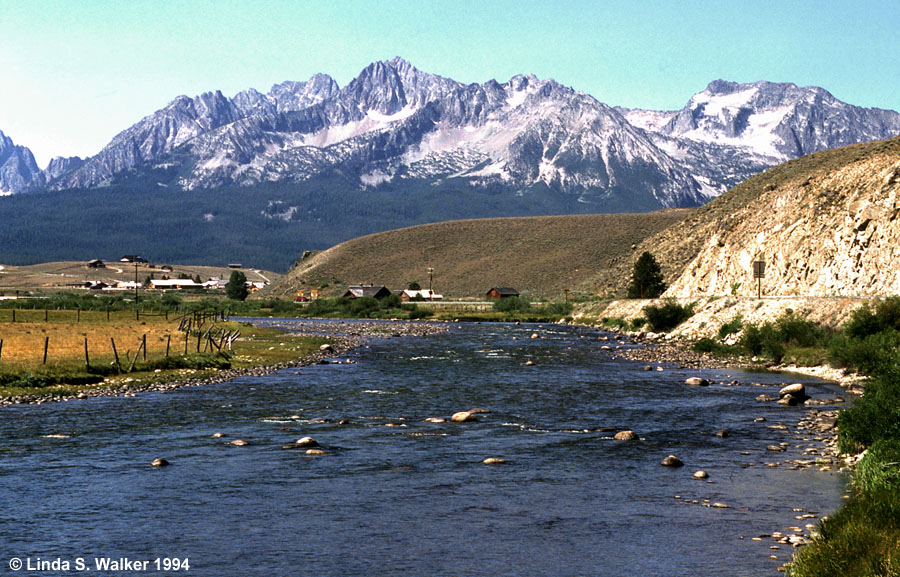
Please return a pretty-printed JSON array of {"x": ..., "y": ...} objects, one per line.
[
  {"x": 1, "y": 350},
  {"x": 168, "y": 340},
  {"x": 116, "y": 354},
  {"x": 46, "y": 315},
  {"x": 78, "y": 316},
  {"x": 46, "y": 346},
  {"x": 14, "y": 315},
  {"x": 87, "y": 360},
  {"x": 137, "y": 354},
  {"x": 185, "y": 343},
  {"x": 144, "y": 344}
]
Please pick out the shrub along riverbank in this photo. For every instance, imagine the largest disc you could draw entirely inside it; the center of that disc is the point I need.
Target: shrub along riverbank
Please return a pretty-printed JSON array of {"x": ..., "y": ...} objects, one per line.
[{"x": 863, "y": 537}]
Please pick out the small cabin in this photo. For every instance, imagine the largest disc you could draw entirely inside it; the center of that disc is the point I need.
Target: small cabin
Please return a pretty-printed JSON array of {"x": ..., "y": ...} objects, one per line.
[
  {"x": 96, "y": 263},
  {"x": 133, "y": 258},
  {"x": 502, "y": 293},
  {"x": 360, "y": 291}
]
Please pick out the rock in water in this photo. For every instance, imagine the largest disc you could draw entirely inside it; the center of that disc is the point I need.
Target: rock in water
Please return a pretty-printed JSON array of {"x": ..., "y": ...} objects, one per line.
[
  {"x": 697, "y": 382},
  {"x": 160, "y": 463},
  {"x": 701, "y": 475},
  {"x": 672, "y": 461},
  {"x": 494, "y": 461},
  {"x": 627, "y": 435},
  {"x": 463, "y": 417},
  {"x": 307, "y": 442}
]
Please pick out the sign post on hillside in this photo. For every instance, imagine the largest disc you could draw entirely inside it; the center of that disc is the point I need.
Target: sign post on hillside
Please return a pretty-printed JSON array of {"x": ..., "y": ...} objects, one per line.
[{"x": 759, "y": 272}]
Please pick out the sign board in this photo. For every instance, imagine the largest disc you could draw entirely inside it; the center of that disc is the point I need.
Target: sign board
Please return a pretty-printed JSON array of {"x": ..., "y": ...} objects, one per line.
[{"x": 759, "y": 269}]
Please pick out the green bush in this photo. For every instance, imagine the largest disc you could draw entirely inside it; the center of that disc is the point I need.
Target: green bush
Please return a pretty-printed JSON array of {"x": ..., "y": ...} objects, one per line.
[
  {"x": 872, "y": 354},
  {"x": 616, "y": 323},
  {"x": 637, "y": 323},
  {"x": 880, "y": 468},
  {"x": 667, "y": 316},
  {"x": 731, "y": 327},
  {"x": 799, "y": 332},
  {"x": 865, "y": 322},
  {"x": 512, "y": 305},
  {"x": 363, "y": 307},
  {"x": 873, "y": 416},
  {"x": 557, "y": 308}
]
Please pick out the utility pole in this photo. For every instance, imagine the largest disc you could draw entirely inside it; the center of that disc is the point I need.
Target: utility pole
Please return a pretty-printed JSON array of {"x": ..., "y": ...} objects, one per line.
[
  {"x": 135, "y": 283},
  {"x": 430, "y": 283}
]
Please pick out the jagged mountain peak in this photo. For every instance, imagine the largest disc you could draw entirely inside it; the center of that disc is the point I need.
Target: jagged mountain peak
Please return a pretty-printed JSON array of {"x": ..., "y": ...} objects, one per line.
[
  {"x": 394, "y": 121},
  {"x": 18, "y": 169}
]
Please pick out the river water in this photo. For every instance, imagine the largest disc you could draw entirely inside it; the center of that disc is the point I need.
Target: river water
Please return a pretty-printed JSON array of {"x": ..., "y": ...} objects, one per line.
[{"x": 395, "y": 495}]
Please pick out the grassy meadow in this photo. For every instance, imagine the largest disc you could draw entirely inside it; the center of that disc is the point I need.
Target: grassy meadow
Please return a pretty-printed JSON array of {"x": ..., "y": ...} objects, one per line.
[{"x": 170, "y": 354}]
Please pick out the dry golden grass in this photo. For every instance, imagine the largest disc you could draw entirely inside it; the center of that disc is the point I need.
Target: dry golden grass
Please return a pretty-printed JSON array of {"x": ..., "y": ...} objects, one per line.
[
  {"x": 23, "y": 340},
  {"x": 538, "y": 256}
]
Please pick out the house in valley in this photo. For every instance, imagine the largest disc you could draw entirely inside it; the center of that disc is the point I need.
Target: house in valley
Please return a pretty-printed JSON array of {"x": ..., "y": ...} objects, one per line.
[
  {"x": 502, "y": 293},
  {"x": 360, "y": 291}
]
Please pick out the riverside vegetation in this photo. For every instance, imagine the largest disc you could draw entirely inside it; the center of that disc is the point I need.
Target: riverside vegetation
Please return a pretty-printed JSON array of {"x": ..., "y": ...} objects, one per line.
[{"x": 863, "y": 537}]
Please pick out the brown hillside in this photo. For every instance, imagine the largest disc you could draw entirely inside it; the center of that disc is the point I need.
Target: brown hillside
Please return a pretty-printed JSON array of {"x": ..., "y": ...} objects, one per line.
[
  {"x": 826, "y": 224},
  {"x": 539, "y": 256}
]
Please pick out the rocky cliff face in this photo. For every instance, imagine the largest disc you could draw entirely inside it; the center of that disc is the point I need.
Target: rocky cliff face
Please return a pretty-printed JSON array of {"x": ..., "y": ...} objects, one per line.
[
  {"x": 826, "y": 227},
  {"x": 17, "y": 166}
]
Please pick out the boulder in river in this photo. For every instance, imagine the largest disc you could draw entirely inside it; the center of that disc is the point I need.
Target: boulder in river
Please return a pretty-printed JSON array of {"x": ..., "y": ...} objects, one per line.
[
  {"x": 697, "y": 382},
  {"x": 306, "y": 442},
  {"x": 627, "y": 435},
  {"x": 160, "y": 463},
  {"x": 701, "y": 475},
  {"x": 797, "y": 389},
  {"x": 463, "y": 417},
  {"x": 494, "y": 461},
  {"x": 672, "y": 461},
  {"x": 239, "y": 443}
]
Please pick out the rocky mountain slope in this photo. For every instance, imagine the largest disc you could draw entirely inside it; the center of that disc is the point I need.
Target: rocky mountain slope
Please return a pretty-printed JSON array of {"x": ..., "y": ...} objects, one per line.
[
  {"x": 730, "y": 131},
  {"x": 17, "y": 166},
  {"x": 394, "y": 124},
  {"x": 825, "y": 224}
]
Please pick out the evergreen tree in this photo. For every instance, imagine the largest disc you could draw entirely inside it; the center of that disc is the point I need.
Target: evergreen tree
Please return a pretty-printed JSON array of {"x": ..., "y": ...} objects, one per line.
[
  {"x": 236, "y": 289},
  {"x": 647, "y": 279}
]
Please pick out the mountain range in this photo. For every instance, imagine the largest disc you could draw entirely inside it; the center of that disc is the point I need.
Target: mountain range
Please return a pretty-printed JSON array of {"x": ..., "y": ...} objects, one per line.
[{"x": 394, "y": 125}]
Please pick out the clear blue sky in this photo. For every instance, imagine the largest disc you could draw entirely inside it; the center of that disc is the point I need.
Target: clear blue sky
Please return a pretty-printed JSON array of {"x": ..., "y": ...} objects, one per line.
[{"x": 73, "y": 73}]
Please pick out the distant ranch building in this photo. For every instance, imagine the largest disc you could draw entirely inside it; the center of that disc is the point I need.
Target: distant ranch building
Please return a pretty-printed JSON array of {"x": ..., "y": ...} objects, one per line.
[
  {"x": 134, "y": 258},
  {"x": 173, "y": 284},
  {"x": 96, "y": 263},
  {"x": 502, "y": 293},
  {"x": 360, "y": 291},
  {"x": 423, "y": 295}
]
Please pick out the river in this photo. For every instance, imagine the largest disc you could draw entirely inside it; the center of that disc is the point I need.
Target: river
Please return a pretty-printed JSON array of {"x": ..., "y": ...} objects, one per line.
[{"x": 395, "y": 495}]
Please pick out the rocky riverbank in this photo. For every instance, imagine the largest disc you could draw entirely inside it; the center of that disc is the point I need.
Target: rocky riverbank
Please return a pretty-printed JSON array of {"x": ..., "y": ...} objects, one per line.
[{"x": 346, "y": 336}]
